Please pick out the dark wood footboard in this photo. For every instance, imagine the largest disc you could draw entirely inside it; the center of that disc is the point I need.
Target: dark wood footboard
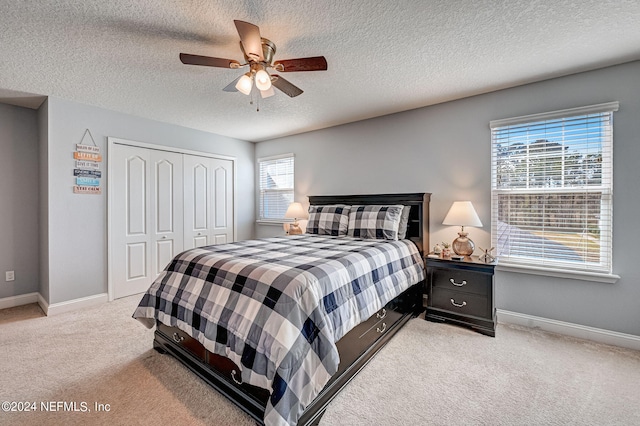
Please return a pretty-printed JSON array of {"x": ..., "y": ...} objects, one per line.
[{"x": 356, "y": 349}]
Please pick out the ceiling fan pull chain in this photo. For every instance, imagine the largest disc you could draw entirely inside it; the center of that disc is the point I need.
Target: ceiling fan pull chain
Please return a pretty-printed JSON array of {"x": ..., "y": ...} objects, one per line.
[{"x": 255, "y": 91}]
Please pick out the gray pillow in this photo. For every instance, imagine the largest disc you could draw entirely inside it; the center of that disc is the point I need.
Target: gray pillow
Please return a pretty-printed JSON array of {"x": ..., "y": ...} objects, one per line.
[{"x": 404, "y": 223}]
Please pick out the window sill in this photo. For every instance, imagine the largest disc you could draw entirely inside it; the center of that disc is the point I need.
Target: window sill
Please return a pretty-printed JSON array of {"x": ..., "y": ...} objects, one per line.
[
  {"x": 273, "y": 222},
  {"x": 560, "y": 273}
]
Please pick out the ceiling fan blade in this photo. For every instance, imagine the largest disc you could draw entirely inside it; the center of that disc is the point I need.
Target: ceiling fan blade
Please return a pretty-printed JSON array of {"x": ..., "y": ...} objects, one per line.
[
  {"x": 250, "y": 39},
  {"x": 208, "y": 61},
  {"x": 231, "y": 87},
  {"x": 286, "y": 87},
  {"x": 316, "y": 63}
]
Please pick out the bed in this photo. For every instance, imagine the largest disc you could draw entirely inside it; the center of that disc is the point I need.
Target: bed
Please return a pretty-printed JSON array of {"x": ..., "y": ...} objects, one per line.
[{"x": 280, "y": 325}]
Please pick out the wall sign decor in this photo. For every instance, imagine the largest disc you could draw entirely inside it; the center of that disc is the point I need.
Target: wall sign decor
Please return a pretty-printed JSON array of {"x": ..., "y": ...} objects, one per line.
[
  {"x": 87, "y": 167},
  {"x": 85, "y": 181},
  {"x": 80, "y": 155},
  {"x": 87, "y": 173},
  {"x": 82, "y": 164},
  {"x": 87, "y": 190},
  {"x": 87, "y": 148}
]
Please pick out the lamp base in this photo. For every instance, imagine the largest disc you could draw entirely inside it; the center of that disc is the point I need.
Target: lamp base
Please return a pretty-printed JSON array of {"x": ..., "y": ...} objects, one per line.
[
  {"x": 462, "y": 245},
  {"x": 294, "y": 229}
]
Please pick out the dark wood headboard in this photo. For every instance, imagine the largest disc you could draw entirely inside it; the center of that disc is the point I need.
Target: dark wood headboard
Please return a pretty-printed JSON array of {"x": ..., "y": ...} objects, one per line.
[{"x": 418, "y": 227}]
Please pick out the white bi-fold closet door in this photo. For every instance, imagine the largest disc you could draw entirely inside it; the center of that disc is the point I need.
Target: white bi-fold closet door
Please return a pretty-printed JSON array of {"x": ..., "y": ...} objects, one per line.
[
  {"x": 208, "y": 201},
  {"x": 161, "y": 203}
]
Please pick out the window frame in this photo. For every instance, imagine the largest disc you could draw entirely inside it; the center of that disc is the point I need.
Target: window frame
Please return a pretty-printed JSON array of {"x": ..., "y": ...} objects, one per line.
[
  {"x": 261, "y": 191},
  {"x": 539, "y": 265}
]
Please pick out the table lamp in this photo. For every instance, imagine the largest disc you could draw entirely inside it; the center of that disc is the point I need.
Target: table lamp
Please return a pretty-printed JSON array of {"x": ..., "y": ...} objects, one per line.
[
  {"x": 295, "y": 211},
  {"x": 462, "y": 214}
]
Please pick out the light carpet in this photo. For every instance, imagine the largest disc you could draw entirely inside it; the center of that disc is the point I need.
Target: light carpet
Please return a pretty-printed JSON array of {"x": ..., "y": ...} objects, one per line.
[{"x": 429, "y": 374}]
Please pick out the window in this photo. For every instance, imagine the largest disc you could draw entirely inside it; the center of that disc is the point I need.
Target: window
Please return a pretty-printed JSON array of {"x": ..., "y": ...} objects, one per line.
[
  {"x": 551, "y": 189},
  {"x": 276, "y": 186}
]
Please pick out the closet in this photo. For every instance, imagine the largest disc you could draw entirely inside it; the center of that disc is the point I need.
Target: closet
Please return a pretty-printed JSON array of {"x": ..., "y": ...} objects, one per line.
[{"x": 163, "y": 201}]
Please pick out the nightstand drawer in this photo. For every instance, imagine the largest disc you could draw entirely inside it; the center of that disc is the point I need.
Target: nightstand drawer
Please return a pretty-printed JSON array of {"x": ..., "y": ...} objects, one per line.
[
  {"x": 461, "y": 303},
  {"x": 467, "y": 281}
]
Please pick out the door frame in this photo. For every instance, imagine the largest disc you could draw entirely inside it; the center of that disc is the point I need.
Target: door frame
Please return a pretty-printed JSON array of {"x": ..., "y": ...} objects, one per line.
[{"x": 111, "y": 143}]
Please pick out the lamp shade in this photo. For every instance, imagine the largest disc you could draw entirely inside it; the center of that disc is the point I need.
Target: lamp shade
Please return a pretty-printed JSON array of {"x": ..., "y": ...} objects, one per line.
[
  {"x": 296, "y": 211},
  {"x": 462, "y": 213},
  {"x": 267, "y": 93},
  {"x": 263, "y": 81},
  {"x": 244, "y": 84}
]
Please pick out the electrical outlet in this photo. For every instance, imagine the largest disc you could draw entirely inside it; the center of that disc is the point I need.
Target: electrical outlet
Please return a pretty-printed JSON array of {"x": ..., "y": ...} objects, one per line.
[{"x": 9, "y": 276}]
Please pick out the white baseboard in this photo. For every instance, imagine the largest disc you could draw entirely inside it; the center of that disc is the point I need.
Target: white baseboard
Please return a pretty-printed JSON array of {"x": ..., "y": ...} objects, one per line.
[
  {"x": 574, "y": 330},
  {"x": 23, "y": 299},
  {"x": 44, "y": 305},
  {"x": 73, "y": 305},
  {"x": 54, "y": 308}
]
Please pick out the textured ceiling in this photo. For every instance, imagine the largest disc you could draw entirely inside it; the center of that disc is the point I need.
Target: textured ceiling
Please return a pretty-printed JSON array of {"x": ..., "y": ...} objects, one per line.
[{"x": 383, "y": 56}]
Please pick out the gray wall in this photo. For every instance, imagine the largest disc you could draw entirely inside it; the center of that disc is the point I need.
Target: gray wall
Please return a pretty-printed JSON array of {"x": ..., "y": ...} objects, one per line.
[
  {"x": 18, "y": 200},
  {"x": 445, "y": 149},
  {"x": 77, "y": 224}
]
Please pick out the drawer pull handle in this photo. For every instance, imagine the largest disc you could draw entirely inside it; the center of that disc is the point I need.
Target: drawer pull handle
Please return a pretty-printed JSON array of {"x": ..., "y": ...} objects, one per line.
[
  {"x": 464, "y": 282},
  {"x": 382, "y": 314},
  {"x": 381, "y": 330},
  {"x": 458, "y": 305},
  {"x": 177, "y": 338},
  {"x": 233, "y": 376}
]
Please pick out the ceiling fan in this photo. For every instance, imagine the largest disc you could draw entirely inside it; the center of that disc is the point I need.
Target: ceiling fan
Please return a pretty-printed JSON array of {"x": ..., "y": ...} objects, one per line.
[{"x": 258, "y": 53}]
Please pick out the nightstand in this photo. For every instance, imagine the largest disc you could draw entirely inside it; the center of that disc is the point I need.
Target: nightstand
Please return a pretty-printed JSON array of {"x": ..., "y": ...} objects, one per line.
[{"x": 461, "y": 292}]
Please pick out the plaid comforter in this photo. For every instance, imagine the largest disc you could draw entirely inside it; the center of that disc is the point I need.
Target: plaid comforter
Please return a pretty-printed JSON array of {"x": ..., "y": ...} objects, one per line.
[{"x": 276, "y": 306}]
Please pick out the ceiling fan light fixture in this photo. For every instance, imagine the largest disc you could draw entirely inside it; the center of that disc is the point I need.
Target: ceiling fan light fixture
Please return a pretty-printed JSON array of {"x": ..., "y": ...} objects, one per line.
[
  {"x": 259, "y": 53},
  {"x": 267, "y": 93},
  {"x": 263, "y": 80},
  {"x": 245, "y": 84}
]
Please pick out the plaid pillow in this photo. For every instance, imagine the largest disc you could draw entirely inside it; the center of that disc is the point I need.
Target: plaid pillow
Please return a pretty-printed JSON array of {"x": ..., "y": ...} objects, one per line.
[
  {"x": 328, "y": 220},
  {"x": 379, "y": 222}
]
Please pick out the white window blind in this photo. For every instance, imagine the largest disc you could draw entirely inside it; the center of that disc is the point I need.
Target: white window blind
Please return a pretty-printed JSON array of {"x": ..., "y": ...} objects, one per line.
[
  {"x": 276, "y": 186},
  {"x": 552, "y": 187}
]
